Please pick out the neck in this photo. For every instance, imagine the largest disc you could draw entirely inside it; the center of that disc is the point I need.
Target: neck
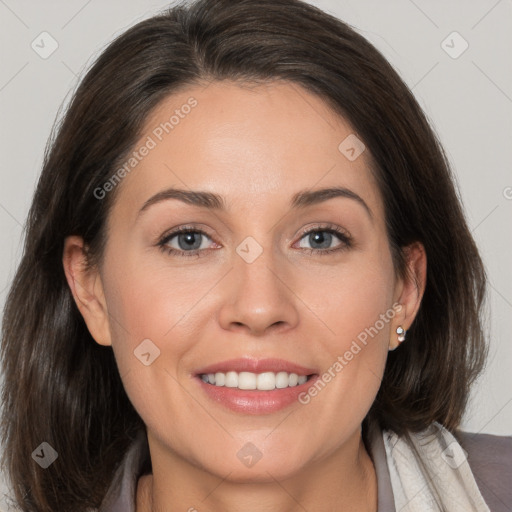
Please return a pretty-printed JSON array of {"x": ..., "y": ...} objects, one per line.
[{"x": 343, "y": 481}]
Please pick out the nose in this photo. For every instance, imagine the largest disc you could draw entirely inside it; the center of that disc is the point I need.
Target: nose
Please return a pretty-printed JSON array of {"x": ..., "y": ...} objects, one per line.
[{"x": 259, "y": 297}]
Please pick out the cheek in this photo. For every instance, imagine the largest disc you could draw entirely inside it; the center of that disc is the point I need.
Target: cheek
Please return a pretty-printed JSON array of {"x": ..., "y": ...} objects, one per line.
[
  {"x": 351, "y": 298},
  {"x": 146, "y": 312},
  {"x": 146, "y": 299},
  {"x": 148, "y": 340},
  {"x": 358, "y": 310},
  {"x": 156, "y": 315},
  {"x": 354, "y": 304}
]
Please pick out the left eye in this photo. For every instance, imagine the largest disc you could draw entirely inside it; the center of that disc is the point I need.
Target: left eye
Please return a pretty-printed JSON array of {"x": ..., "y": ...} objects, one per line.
[
  {"x": 187, "y": 241},
  {"x": 321, "y": 240}
]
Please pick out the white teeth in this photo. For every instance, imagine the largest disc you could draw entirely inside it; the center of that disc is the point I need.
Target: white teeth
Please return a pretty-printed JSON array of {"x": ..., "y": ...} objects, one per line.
[
  {"x": 246, "y": 380},
  {"x": 231, "y": 380},
  {"x": 294, "y": 378},
  {"x": 220, "y": 379},
  {"x": 265, "y": 381},
  {"x": 282, "y": 380},
  {"x": 302, "y": 379}
]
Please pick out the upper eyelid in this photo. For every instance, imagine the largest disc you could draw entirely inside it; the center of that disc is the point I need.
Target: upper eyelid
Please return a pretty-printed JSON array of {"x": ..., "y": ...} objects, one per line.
[
  {"x": 325, "y": 227},
  {"x": 171, "y": 234}
]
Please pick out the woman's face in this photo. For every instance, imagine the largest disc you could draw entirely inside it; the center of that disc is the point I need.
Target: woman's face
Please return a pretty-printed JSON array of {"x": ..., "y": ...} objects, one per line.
[{"x": 249, "y": 290}]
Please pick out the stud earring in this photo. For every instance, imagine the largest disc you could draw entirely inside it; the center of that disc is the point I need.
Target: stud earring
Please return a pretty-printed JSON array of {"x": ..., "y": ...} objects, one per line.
[{"x": 401, "y": 334}]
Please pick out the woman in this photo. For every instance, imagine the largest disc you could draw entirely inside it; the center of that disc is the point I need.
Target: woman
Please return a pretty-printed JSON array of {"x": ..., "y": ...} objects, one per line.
[{"x": 192, "y": 346}]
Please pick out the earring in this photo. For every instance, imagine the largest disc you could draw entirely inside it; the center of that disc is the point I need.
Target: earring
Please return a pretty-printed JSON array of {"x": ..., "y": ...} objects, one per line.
[{"x": 401, "y": 334}]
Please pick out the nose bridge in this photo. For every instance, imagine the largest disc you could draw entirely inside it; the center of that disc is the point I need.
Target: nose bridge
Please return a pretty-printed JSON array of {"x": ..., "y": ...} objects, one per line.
[
  {"x": 258, "y": 297},
  {"x": 255, "y": 267}
]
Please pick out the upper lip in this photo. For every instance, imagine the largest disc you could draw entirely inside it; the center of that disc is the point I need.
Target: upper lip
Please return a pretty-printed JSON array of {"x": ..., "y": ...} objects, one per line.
[{"x": 256, "y": 366}]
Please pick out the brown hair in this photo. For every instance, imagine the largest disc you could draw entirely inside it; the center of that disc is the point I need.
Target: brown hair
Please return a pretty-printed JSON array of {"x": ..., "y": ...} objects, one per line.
[{"x": 63, "y": 388}]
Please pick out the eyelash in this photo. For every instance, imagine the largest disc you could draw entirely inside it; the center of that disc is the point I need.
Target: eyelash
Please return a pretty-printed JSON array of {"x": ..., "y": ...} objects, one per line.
[{"x": 343, "y": 237}]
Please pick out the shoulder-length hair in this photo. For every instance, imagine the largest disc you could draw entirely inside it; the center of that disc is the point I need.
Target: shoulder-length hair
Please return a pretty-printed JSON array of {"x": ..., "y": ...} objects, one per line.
[{"x": 63, "y": 388}]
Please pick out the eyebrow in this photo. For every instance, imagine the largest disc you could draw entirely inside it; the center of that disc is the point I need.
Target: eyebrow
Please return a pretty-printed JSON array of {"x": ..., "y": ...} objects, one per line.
[{"x": 213, "y": 201}]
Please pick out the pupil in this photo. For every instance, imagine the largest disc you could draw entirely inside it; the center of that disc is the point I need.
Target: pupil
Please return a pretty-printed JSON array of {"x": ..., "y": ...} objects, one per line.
[
  {"x": 189, "y": 241},
  {"x": 320, "y": 237}
]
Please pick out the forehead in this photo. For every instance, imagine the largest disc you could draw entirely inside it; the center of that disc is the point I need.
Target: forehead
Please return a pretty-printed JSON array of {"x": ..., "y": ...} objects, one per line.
[{"x": 253, "y": 144}]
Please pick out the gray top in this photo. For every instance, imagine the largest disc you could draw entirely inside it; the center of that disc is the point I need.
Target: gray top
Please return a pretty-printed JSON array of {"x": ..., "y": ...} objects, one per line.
[{"x": 489, "y": 456}]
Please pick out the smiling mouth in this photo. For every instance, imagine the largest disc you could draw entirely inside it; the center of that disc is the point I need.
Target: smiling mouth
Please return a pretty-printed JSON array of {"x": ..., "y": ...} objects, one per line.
[{"x": 266, "y": 381}]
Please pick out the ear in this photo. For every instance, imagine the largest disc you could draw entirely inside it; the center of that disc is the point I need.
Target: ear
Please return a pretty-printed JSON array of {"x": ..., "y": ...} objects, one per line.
[
  {"x": 409, "y": 290},
  {"x": 87, "y": 289}
]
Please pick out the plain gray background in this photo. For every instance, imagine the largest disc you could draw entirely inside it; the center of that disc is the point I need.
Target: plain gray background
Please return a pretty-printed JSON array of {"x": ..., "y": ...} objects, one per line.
[{"x": 468, "y": 98}]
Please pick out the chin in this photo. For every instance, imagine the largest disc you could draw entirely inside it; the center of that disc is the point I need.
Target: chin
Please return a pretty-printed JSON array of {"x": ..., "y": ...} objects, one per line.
[{"x": 261, "y": 473}]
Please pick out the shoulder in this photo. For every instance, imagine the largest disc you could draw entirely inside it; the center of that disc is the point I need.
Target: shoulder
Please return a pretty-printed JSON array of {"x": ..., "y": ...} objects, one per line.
[{"x": 490, "y": 459}]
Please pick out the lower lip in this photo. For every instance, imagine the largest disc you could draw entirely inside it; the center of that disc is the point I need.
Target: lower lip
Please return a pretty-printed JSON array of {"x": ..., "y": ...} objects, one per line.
[{"x": 254, "y": 401}]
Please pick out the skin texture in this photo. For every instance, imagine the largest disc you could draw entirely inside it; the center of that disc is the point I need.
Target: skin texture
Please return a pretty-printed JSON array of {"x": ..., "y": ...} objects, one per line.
[{"x": 256, "y": 146}]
